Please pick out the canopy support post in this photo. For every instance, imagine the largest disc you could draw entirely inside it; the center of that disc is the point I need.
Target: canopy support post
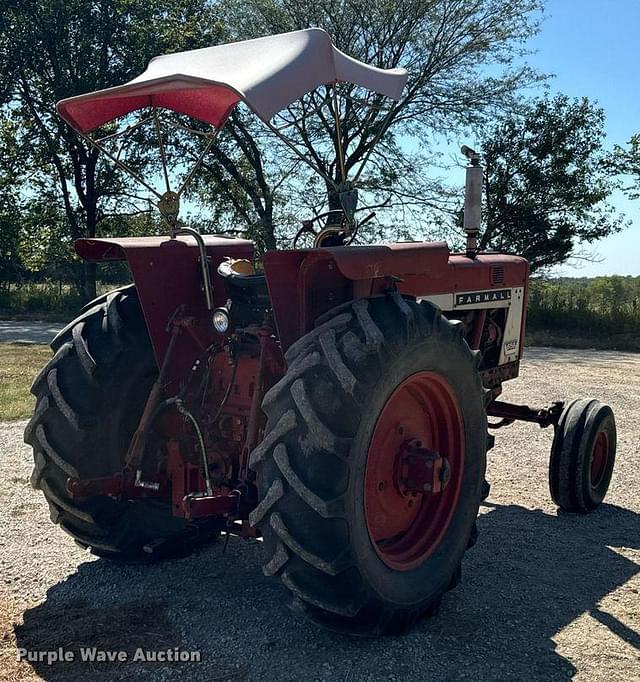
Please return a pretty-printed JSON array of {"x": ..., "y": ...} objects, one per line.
[
  {"x": 382, "y": 130},
  {"x": 199, "y": 160},
  {"x": 336, "y": 117},
  {"x": 163, "y": 157},
  {"x": 121, "y": 164},
  {"x": 298, "y": 153}
]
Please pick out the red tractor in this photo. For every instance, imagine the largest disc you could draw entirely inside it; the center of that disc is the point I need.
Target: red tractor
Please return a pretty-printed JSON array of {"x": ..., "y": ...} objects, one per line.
[{"x": 333, "y": 401}]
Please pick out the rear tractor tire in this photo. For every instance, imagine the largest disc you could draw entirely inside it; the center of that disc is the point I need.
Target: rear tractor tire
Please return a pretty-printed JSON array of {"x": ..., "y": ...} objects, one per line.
[
  {"x": 358, "y": 546},
  {"x": 582, "y": 456},
  {"x": 90, "y": 396}
]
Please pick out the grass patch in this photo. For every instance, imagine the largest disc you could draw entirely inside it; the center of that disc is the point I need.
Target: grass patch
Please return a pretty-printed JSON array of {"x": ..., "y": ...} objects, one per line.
[
  {"x": 39, "y": 301},
  {"x": 19, "y": 363}
]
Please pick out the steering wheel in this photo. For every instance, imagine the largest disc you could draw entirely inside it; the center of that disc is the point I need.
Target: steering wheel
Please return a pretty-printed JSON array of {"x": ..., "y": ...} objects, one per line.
[
  {"x": 332, "y": 234},
  {"x": 320, "y": 234}
]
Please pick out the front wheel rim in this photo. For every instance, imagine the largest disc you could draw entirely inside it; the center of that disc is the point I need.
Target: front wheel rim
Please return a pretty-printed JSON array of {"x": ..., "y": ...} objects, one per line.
[
  {"x": 404, "y": 527},
  {"x": 599, "y": 459}
]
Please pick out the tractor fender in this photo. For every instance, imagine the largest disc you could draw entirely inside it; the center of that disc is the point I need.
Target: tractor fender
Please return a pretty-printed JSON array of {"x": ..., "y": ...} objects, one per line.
[
  {"x": 123, "y": 248},
  {"x": 167, "y": 275},
  {"x": 306, "y": 283},
  {"x": 390, "y": 260}
]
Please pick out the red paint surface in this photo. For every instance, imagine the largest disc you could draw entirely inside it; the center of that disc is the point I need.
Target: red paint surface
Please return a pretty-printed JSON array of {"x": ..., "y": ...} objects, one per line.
[
  {"x": 303, "y": 285},
  {"x": 209, "y": 103},
  {"x": 404, "y": 528}
]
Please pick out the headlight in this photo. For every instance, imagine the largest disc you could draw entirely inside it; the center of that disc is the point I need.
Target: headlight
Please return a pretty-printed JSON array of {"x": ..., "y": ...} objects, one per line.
[{"x": 221, "y": 320}]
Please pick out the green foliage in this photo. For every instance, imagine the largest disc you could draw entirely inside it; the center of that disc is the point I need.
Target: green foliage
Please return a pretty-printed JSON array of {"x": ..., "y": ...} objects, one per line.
[
  {"x": 547, "y": 185},
  {"x": 547, "y": 181},
  {"x": 448, "y": 47},
  {"x": 54, "y": 49},
  {"x": 18, "y": 365},
  {"x": 626, "y": 162},
  {"x": 41, "y": 301},
  {"x": 10, "y": 265},
  {"x": 591, "y": 308}
]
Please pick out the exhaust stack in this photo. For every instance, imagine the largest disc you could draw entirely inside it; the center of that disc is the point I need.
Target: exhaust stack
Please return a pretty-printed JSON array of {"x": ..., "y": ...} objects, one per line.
[{"x": 472, "y": 200}]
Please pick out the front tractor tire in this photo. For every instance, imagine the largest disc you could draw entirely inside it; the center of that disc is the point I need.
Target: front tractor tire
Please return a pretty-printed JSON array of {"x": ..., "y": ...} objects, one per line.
[
  {"x": 582, "y": 456},
  {"x": 362, "y": 548},
  {"x": 90, "y": 396}
]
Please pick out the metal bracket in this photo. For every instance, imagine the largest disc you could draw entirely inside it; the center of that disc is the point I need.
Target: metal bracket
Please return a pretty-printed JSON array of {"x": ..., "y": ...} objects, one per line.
[{"x": 508, "y": 412}]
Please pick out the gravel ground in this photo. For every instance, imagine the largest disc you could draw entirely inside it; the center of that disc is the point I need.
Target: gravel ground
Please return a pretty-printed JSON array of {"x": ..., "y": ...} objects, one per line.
[
  {"x": 545, "y": 596},
  {"x": 18, "y": 331}
]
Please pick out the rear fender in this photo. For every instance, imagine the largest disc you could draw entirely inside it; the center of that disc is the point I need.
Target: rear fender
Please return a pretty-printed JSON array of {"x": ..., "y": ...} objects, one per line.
[
  {"x": 167, "y": 275},
  {"x": 307, "y": 283}
]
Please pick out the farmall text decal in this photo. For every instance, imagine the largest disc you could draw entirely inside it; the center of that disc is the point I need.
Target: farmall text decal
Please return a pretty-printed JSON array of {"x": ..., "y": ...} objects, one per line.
[{"x": 477, "y": 297}]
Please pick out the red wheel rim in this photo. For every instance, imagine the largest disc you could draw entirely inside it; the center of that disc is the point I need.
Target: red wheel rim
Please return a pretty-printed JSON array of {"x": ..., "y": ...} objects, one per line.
[
  {"x": 599, "y": 458},
  {"x": 406, "y": 528}
]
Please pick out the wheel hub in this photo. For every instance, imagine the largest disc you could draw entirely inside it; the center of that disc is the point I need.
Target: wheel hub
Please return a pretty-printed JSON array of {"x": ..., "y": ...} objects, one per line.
[{"x": 420, "y": 470}]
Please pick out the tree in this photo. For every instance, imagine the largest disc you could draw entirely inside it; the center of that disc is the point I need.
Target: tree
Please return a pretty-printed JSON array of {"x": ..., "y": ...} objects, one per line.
[
  {"x": 462, "y": 58},
  {"x": 54, "y": 49},
  {"x": 626, "y": 162},
  {"x": 235, "y": 182},
  {"x": 547, "y": 182},
  {"x": 10, "y": 175}
]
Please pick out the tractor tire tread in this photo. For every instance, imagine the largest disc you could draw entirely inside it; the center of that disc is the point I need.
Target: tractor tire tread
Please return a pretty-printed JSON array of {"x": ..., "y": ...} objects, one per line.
[
  {"x": 75, "y": 393},
  {"x": 323, "y": 577},
  {"x": 567, "y": 463}
]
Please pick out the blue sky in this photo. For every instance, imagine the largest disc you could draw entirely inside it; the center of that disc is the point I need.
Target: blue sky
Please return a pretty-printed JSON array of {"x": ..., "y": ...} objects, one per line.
[
  {"x": 591, "y": 46},
  {"x": 593, "y": 49}
]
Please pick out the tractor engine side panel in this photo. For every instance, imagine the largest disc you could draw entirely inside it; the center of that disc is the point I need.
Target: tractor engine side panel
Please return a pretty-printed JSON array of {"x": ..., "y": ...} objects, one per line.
[{"x": 476, "y": 291}]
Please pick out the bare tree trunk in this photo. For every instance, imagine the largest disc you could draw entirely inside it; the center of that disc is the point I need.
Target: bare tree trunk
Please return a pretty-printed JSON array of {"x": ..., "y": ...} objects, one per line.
[
  {"x": 89, "y": 200},
  {"x": 89, "y": 285}
]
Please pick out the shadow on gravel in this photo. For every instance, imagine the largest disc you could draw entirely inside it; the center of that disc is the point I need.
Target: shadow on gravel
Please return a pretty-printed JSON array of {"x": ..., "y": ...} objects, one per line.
[{"x": 530, "y": 575}]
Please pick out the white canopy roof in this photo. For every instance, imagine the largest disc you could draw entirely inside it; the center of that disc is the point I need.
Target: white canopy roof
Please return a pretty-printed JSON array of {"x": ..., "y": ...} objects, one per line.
[{"x": 268, "y": 74}]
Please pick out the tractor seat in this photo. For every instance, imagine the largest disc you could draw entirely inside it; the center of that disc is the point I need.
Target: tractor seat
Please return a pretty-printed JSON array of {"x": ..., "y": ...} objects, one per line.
[{"x": 240, "y": 274}]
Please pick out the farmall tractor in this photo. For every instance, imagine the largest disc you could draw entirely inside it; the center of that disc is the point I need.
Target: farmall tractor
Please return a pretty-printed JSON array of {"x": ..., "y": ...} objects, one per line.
[{"x": 333, "y": 400}]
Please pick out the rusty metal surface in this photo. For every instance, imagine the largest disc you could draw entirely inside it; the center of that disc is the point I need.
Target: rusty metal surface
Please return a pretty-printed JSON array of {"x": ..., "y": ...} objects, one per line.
[{"x": 494, "y": 376}]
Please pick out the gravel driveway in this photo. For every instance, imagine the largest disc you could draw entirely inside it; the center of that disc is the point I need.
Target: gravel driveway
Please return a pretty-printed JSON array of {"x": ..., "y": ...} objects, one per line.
[
  {"x": 545, "y": 596},
  {"x": 28, "y": 331}
]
